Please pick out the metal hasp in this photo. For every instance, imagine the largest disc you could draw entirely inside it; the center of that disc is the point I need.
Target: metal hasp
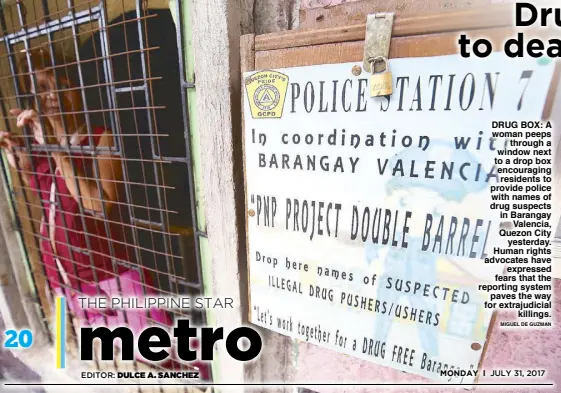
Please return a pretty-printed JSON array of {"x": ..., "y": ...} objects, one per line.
[{"x": 377, "y": 41}]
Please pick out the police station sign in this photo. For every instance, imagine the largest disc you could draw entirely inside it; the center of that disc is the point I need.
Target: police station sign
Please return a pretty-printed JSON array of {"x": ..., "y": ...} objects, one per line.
[{"x": 369, "y": 218}]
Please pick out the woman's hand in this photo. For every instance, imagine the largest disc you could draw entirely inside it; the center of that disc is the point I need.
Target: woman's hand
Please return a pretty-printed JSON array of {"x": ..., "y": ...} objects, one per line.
[
  {"x": 8, "y": 144},
  {"x": 31, "y": 118}
]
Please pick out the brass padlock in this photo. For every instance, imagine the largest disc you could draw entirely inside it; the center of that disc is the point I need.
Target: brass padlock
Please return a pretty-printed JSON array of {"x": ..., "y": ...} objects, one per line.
[{"x": 381, "y": 83}]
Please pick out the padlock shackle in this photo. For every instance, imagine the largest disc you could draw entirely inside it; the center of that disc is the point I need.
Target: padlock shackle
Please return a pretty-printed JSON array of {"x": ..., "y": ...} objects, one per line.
[{"x": 374, "y": 60}]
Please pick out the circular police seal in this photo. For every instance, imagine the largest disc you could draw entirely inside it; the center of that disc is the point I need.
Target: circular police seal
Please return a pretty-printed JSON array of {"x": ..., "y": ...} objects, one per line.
[{"x": 266, "y": 97}]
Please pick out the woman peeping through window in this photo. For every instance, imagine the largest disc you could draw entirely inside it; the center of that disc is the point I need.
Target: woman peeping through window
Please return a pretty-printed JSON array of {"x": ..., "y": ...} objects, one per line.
[{"x": 82, "y": 231}]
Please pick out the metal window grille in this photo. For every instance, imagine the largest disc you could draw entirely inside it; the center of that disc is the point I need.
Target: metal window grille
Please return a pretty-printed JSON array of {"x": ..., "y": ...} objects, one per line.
[{"x": 131, "y": 81}]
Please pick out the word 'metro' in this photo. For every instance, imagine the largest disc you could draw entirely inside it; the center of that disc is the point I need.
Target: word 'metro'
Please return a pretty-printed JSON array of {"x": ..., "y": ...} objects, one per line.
[{"x": 147, "y": 346}]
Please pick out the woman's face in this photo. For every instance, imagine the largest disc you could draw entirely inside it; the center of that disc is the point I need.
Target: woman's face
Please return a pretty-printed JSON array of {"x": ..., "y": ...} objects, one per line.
[{"x": 48, "y": 94}]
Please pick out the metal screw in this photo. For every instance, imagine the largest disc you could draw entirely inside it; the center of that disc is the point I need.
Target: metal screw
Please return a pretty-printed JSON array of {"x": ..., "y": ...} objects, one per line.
[
  {"x": 357, "y": 70},
  {"x": 251, "y": 212},
  {"x": 476, "y": 346}
]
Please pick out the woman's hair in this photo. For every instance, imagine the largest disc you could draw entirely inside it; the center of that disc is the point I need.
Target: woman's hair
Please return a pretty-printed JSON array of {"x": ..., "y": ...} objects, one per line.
[{"x": 41, "y": 60}]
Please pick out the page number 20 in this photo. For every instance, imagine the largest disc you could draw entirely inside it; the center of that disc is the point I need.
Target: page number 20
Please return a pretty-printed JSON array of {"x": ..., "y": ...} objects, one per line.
[{"x": 15, "y": 339}]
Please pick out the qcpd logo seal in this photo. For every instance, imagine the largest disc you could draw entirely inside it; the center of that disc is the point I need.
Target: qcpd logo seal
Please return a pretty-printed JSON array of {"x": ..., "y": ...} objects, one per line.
[{"x": 266, "y": 92}]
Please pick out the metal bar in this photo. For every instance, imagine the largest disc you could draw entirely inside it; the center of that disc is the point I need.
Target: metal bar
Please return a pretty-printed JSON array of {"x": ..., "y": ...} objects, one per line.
[
  {"x": 105, "y": 110},
  {"x": 201, "y": 233},
  {"x": 92, "y": 144},
  {"x": 42, "y": 30},
  {"x": 189, "y": 150},
  {"x": 123, "y": 182},
  {"x": 73, "y": 248},
  {"x": 85, "y": 87},
  {"x": 92, "y": 60},
  {"x": 130, "y": 89},
  {"x": 52, "y": 26},
  {"x": 123, "y": 203},
  {"x": 141, "y": 154},
  {"x": 46, "y": 13},
  {"x": 112, "y": 102},
  {"x": 97, "y": 174},
  {"x": 186, "y": 283},
  {"x": 92, "y": 151},
  {"x": 149, "y": 223},
  {"x": 43, "y": 201},
  {"x": 163, "y": 220},
  {"x": 71, "y": 149},
  {"x": 172, "y": 159},
  {"x": 147, "y": 95},
  {"x": 108, "y": 71}
]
